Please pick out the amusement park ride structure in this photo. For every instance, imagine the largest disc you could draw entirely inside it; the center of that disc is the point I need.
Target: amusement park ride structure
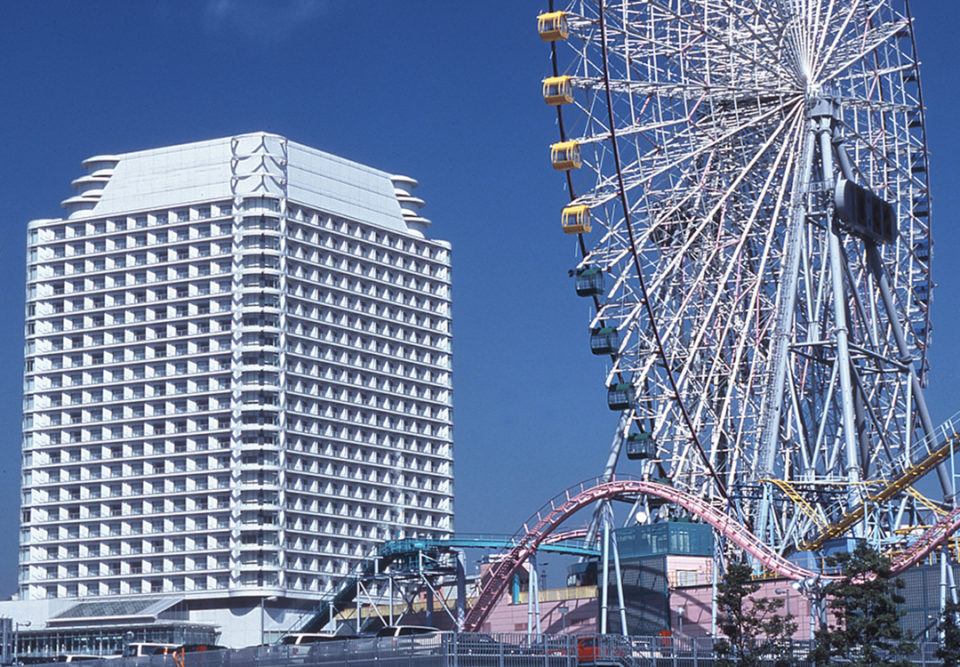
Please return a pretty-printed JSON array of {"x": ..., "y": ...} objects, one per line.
[
  {"x": 748, "y": 187},
  {"x": 749, "y": 193}
]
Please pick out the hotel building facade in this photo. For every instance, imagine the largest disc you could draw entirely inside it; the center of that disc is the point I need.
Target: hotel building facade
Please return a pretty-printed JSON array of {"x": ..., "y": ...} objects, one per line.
[{"x": 237, "y": 377}]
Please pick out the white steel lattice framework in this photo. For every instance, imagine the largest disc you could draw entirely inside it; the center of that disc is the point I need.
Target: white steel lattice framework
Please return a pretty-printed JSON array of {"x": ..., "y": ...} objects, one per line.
[{"x": 758, "y": 334}]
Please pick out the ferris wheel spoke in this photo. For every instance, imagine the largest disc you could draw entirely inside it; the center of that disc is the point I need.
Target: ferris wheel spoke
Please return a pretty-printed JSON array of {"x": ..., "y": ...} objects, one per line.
[
  {"x": 754, "y": 290},
  {"x": 895, "y": 160},
  {"x": 733, "y": 260},
  {"x": 844, "y": 58},
  {"x": 821, "y": 39},
  {"x": 688, "y": 91},
  {"x": 728, "y": 47},
  {"x": 762, "y": 16},
  {"x": 697, "y": 232},
  {"x": 647, "y": 173},
  {"x": 738, "y": 12},
  {"x": 656, "y": 129},
  {"x": 718, "y": 366}
]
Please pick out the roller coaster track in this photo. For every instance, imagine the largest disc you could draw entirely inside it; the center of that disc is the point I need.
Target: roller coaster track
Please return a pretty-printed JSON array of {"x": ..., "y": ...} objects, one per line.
[
  {"x": 537, "y": 529},
  {"x": 797, "y": 498},
  {"x": 558, "y": 542},
  {"x": 389, "y": 552},
  {"x": 928, "y": 453}
]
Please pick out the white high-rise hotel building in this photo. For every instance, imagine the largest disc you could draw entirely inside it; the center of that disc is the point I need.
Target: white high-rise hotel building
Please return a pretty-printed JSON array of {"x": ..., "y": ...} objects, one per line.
[{"x": 238, "y": 375}]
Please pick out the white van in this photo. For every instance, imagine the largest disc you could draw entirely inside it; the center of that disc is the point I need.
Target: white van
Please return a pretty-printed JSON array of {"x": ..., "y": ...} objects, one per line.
[
  {"x": 137, "y": 649},
  {"x": 405, "y": 630},
  {"x": 298, "y": 638}
]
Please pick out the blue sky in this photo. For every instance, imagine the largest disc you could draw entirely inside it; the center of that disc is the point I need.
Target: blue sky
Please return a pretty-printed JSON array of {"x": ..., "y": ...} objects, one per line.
[{"x": 447, "y": 92}]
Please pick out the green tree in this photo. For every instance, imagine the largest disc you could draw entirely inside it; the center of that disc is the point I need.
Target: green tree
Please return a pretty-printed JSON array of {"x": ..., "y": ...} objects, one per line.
[
  {"x": 753, "y": 628},
  {"x": 949, "y": 650},
  {"x": 866, "y": 628}
]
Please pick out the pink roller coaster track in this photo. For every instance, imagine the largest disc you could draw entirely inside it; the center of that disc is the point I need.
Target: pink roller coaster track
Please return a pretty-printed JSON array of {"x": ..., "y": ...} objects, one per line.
[{"x": 537, "y": 529}]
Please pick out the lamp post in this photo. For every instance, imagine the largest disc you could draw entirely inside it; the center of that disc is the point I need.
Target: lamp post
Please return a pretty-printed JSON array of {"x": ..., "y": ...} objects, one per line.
[
  {"x": 785, "y": 591},
  {"x": 563, "y": 611},
  {"x": 799, "y": 588},
  {"x": 16, "y": 638},
  {"x": 680, "y": 612},
  {"x": 263, "y": 599}
]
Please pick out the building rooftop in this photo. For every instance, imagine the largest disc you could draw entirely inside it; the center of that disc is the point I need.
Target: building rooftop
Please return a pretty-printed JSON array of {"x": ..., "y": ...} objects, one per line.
[{"x": 244, "y": 165}]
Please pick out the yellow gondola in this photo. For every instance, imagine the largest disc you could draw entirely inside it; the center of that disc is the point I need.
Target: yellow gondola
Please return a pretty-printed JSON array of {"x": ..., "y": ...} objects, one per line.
[
  {"x": 557, "y": 90},
  {"x": 565, "y": 155},
  {"x": 553, "y": 26},
  {"x": 576, "y": 219}
]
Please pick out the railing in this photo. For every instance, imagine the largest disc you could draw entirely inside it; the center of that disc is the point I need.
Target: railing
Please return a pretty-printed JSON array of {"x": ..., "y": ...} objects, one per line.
[
  {"x": 439, "y": 649},
  {"x": 928, "y": 452},
  {"x": 446, "y": 649},
  {"x": 944, "y": 433},
  {"x": 639, "y": 651}
]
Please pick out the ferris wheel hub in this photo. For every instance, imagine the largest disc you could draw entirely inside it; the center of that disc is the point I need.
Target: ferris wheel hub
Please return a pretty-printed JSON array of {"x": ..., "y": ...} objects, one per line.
[{"x": 821, "y": 106}]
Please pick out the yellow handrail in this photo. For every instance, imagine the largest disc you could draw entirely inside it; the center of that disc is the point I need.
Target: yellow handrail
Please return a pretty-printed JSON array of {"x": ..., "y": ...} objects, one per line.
[
  {"x": 799, "y": 501},
  {"x": 926, "y": 502},
  {"x": 900, "y": 484}
]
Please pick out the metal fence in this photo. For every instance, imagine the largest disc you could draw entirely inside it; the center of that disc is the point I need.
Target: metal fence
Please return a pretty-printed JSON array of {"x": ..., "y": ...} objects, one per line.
[
  {"x": 440, "y": 649},
  {"x": 446, "y": 649},
  {"x": 697, "y": 652},
  {"x": 662, "y": 651}
]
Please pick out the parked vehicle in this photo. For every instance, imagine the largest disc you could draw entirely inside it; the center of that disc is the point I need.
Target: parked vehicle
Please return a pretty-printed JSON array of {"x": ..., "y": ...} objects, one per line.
[
  {"x": 405, "y": 630},
  {"x": 137, "y": 649},
  {"x": 200, "y": 648},
  {"x": 298, "y": 638},
  {"x": 301, "y": 646},
  {"x": 602, "y": 650}
]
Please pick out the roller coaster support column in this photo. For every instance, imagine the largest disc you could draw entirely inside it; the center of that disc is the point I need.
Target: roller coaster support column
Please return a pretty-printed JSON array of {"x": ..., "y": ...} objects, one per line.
[
  {"x": 954, "y": 597},
  {"x": 953, "y": 588},
  {"x": 610, "y": 542},
  {"x": 533, "y": 596},
  {"x": 953, "y": 471},
  {"x": 824, "y": 113},
  {"x": 461, "y": 591},
  {"x": 390, "y": 592},
  {"x": 605, "y": 575},
  {"x": 718, "y": 566},
  {"x": 944, "y": 553},
  {"x": 818, "y": 608},
  {"x": 359, "y": 607},
  {"x": 619, "y": 575}
]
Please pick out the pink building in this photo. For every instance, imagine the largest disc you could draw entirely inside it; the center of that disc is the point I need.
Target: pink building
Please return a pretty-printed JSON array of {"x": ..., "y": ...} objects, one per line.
[{"x": 697, "y": 605}]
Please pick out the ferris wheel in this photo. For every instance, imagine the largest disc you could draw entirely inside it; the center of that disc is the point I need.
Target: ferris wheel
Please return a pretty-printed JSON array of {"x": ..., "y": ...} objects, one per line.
[{"x": 748, "y": 188}]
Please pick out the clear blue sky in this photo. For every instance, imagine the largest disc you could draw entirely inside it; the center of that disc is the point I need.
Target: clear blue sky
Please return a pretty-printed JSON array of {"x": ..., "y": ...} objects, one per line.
[{"x": 447, "y": 92}]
